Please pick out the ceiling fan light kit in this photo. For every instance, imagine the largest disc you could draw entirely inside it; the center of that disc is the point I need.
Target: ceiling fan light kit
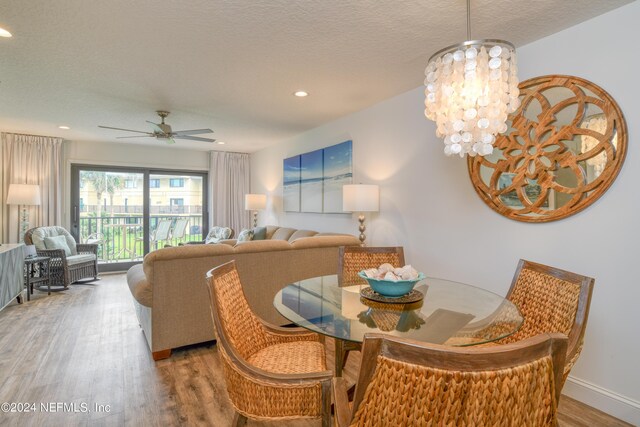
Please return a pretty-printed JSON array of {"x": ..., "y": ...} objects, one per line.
[
  {"x": 163, "y": 131},
  {"x": 470, "y": 90}
]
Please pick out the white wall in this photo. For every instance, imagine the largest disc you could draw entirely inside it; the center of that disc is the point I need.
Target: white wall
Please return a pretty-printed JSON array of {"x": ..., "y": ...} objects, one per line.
[
  {"x": 108, "y": 153},
  {"x": 428, "y": 204}
]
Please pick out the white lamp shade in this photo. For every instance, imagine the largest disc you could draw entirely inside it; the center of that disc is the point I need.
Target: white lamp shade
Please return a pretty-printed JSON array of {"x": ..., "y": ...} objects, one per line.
[
  {"x": 255, "y": 202},
  {"x": 360, "y": 198},
  {"x": 23, "y": 194}
]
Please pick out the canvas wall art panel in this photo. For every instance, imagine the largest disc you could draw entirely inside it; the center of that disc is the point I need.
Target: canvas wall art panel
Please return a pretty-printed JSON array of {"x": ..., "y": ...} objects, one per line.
[
  {"x": 291, "y": 184},
  {"x": 312, "y": 182},
  {"x": 311, "y": 185},
  {"x": 338, "y": 171}
]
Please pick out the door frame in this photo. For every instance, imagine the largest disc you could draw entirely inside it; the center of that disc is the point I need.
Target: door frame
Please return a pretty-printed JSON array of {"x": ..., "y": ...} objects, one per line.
[{"x": 146, "y": 172}]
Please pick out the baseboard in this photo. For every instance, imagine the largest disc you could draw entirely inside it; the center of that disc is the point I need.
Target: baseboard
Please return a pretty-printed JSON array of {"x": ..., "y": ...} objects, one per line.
[{"x": 605, "y": 400}]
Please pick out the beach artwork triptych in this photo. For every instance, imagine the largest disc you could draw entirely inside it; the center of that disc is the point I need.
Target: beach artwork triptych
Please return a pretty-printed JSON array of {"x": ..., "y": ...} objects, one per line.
[{"x": 312, "y": 182}]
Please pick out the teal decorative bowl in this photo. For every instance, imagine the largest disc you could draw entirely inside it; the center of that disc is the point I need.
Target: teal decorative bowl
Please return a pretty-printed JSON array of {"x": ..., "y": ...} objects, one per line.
[{"x": 389, "y": 288}]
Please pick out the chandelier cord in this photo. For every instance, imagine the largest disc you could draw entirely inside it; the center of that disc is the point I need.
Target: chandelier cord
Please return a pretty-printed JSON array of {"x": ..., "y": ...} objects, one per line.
[{"x": 468, "y": 19}]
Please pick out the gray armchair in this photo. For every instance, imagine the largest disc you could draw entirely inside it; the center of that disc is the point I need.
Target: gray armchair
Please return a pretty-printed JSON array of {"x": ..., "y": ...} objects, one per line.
[{"x": 80, "y": 263}]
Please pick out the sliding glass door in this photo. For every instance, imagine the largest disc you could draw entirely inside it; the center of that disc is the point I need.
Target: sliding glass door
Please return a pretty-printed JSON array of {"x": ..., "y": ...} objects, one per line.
[{"x": 131, "y": 211}]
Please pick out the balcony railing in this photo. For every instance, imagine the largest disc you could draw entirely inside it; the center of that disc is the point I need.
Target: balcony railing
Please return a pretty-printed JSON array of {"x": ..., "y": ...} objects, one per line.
[{"x": 121, "y": 237}]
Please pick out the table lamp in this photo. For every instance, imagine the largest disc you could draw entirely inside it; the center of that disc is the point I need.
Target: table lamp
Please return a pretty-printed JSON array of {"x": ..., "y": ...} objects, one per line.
[
  {"x": 25, "y": 195},
  {"x": 255, "y": 203},
  {"x": 360, "y": 198}
]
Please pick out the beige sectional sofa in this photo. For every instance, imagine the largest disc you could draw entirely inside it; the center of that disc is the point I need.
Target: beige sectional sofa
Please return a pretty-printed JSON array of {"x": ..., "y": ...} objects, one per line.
[{"x": 171, "y": 296}]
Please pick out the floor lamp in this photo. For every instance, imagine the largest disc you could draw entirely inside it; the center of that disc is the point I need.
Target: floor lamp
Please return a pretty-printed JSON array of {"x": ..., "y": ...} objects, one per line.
[
  {"x": 255, "y": 203},
  {"x": 24, "y": 195},
  {"x": 361, "y": 198}
]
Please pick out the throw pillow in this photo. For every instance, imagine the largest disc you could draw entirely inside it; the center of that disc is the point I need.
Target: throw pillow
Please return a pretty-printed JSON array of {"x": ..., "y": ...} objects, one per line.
[
  {"x": 259, "y": 233},
  {"x": 245, "y": 235},
  {"x": 218, "y": 233},
  {"x": 57, "y": 242},
  {"x": 224, "y": 233}
]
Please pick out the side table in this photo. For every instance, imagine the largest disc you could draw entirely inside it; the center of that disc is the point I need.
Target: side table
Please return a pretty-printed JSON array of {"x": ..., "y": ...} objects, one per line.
[{"x": 36, "y": 272}]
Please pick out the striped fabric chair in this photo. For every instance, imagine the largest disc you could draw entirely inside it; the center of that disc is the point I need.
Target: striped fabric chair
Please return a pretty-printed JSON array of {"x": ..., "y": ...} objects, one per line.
[
  {"x": 272, "y": 373},
  {"x": 409, "y": 383}
]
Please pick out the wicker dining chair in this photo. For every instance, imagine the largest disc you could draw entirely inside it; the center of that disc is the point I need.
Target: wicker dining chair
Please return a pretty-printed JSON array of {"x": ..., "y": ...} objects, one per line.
[
  {"x": 354, "y": 259},
  {"x": 406, "y": 382},
  {"x": 272, "y": 373},
  {"x": 351, "y": 261},
  {"x": 551, "y": 300}
]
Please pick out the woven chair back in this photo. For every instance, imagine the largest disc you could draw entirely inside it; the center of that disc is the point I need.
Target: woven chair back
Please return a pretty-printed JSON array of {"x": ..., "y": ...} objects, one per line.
[
  {"x": 353, "y": 259},
  {"x": 551, "y": 300},
  {"x": 405, "y": 382},
  {"x": 232, "y": 314}
]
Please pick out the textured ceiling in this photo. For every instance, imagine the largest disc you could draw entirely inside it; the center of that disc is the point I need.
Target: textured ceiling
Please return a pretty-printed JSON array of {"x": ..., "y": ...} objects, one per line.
[{"x": 233, "y": 65}]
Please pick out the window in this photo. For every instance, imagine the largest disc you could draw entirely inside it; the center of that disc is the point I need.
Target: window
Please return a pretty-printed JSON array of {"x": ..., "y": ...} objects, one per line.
[
  {"x": 154, "y": 183},
  {"x": 130, "y": 183},
  {"x": 176, "y": 202},
  {"x": 176, "y": 182}
]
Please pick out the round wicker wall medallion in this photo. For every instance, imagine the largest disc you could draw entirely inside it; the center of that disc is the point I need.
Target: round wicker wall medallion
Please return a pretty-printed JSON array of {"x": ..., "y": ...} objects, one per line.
[{"x": 564, "y": 147}]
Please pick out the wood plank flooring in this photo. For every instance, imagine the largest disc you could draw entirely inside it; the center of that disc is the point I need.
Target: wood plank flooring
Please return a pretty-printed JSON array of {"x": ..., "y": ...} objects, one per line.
[{"x": 84, "y": 347}]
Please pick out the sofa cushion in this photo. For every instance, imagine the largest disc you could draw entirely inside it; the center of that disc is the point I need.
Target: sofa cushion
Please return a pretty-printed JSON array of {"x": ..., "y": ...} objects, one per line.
[
  {"x": 270, "y": 230},
  {"x": 57, "y": 242},
  {"x": 139, "y": 285},
  {"x": 78, "y": 259},
  {"x": 259, "y": 233},
  {"x": 302, "y": 233},
  {"x": 283, "y": 233}
]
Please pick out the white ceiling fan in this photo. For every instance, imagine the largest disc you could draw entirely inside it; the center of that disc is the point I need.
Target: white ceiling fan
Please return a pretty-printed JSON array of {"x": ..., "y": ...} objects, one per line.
[{"x": 163, "y": 131}]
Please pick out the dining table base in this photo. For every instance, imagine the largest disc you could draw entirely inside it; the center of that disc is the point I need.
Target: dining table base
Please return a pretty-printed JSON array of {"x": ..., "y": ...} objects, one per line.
[{"x": 342, "y": 348}]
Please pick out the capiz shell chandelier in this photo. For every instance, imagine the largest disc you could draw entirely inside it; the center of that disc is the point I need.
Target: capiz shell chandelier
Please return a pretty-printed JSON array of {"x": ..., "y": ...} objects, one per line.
[{"x": 471, "y": 88}]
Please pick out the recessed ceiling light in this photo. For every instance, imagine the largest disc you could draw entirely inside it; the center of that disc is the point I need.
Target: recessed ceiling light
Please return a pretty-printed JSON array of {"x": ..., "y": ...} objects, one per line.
[
  {"x": 301, "y": 94},
  {"x": 4, "y": 33},
  {"x": 64, "y": 127},
  {"x": 220, "y": 142}
]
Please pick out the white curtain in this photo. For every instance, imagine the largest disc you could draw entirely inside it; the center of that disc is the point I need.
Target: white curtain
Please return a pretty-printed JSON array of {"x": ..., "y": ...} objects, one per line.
[
  {"x": 29, "y": 159},
  {"x": 229, "y": 181}
]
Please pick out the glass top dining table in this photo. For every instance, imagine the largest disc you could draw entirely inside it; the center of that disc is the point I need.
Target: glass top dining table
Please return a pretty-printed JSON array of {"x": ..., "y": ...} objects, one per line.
[{"x": 451, "y": 313}]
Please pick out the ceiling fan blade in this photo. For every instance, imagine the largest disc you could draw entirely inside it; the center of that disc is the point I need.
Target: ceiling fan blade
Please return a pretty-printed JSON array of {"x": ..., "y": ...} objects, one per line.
[
  {"x": 149, "y": 135},
  {"x": 126, "y": 130},
  {"x": 194, "y": 138},
  {"x": 155, "y": 127},
  {"x": 192, "y": 132}
]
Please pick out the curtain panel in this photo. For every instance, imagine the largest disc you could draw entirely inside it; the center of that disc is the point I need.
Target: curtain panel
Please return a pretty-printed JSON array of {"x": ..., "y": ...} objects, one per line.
[
  {"x": 29, "y": 159},
  {"x": 229, "y": 181}
]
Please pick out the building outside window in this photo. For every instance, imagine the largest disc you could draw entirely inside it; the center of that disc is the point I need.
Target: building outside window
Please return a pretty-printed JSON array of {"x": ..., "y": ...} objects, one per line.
[
  {"x": 176, "y": 205},
  {"x": 129, "y": 183},
  {"x": 176, "y": 182},
  {"x": 154, "y": 183}
]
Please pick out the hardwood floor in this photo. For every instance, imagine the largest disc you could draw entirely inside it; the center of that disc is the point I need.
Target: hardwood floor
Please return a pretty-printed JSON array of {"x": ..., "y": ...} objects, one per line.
[{"x": 84, "y": 347}]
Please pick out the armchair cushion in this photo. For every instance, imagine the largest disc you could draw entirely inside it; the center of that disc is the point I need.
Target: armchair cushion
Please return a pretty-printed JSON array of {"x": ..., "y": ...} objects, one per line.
[
  {"x": 78, "y": 259},
  {"x": 57, "y": 242},
  {"x": 38, "y": 235}
]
